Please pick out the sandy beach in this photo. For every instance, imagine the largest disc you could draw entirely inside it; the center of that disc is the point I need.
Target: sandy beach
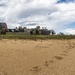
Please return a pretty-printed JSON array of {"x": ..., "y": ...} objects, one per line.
[{"x": 37, "y": 57}]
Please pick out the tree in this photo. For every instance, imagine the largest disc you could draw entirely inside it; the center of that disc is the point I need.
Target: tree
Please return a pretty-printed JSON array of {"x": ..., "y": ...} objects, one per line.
[
  {"x": 52, "y": 32},
  {"x": 61, "y": 33}
]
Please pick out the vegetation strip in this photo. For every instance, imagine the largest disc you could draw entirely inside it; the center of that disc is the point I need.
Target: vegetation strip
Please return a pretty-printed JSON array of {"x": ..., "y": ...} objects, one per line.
[{"x": 22, "y": 36}]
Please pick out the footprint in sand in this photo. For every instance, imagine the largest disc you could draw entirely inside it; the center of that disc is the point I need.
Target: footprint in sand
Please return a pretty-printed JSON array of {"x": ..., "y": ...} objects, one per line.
[
  {"x": 64, "y": 54},
  {"x": 58, "y": 57},
  {"x": 35, "y": 69},
  {"x": 65, "y": 51},
  {"x": 48, "y": 62}
]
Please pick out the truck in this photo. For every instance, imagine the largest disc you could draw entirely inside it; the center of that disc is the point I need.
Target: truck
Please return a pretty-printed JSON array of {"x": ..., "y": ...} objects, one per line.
[{"x": 3, "y": 28}]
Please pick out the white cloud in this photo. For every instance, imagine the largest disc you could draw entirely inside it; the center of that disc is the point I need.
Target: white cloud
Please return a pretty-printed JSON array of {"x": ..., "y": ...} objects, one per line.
[
  {"x": 70, "y": 31},
  {"x": 21, "y": 10},
  {"x": 37, "y": 12}
]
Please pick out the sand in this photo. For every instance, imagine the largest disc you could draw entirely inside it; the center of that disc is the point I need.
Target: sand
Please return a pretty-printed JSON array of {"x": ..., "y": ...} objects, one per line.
[{"x": 37, "y": 57}]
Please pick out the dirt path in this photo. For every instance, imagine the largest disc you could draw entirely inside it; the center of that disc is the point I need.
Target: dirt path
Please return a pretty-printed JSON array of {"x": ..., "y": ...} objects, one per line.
[{"x": 37, "y": 57}]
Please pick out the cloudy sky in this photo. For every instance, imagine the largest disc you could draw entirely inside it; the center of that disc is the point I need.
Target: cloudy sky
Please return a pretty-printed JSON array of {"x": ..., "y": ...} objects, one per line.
[{"x": 53, "y": 14}]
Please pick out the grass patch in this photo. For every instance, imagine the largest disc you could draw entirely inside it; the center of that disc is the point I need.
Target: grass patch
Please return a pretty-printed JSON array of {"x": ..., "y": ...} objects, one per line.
[{"x": 34, "y": 37}]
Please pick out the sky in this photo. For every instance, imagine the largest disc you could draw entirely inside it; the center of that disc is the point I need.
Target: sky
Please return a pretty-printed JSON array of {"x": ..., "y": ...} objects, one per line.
[{"x": 58, "y": 15}]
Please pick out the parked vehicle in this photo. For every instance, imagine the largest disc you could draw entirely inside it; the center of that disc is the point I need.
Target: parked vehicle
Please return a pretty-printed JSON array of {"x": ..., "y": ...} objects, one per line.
[{"x": 3, "y": 28}]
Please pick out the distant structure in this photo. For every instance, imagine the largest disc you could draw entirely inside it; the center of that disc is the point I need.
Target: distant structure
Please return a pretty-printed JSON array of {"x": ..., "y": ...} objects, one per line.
[
  {"x": 34, "y": 31},
  {"x": 61, "y": 33},
  {"x": 3, "y": 28}
]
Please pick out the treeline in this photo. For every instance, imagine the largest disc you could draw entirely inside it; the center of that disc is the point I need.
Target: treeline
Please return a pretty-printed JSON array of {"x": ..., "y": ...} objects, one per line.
[{"x": 33, "y": 31}]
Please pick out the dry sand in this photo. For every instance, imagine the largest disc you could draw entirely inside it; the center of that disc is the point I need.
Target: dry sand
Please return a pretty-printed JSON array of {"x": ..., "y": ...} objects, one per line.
[{"x": 37, "y": 57}]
